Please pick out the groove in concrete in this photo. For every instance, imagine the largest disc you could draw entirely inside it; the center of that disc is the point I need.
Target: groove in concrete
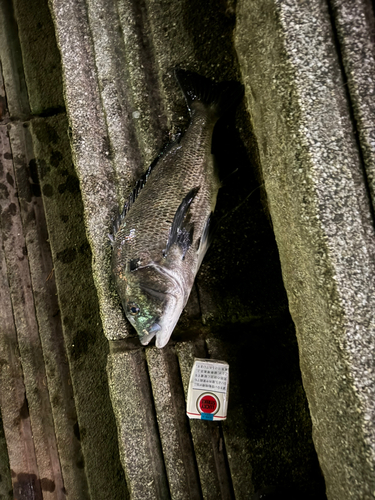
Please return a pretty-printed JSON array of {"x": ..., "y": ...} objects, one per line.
[{"x": 355, "y": 28}]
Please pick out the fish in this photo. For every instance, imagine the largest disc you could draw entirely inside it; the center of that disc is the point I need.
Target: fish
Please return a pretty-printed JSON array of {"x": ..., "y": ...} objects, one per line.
[{"x": 163, "y": 233}]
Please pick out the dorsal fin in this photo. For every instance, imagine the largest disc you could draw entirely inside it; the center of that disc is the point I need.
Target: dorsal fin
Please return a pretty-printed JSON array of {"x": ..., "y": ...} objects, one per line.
[
  {"x": 181, "y": 231},
  {"x": 140, "y": 184}
]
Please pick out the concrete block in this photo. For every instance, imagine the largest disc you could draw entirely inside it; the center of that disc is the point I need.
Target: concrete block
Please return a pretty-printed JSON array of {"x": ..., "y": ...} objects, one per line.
[
  {"x": 140, "y": 448},
  {"x": 355, "y": 26},
  {"x": 237, "y": 442},
  {"x": 47, "y": 310},
  {"x": 22, "y": 471},
  {"x": 6, "y": 489},
  {"x": 322, "y": 221},
  {"x": 91, "y": 150},
  {"x": 11, "y": 64},
  {"x": 173, "y": 424}
]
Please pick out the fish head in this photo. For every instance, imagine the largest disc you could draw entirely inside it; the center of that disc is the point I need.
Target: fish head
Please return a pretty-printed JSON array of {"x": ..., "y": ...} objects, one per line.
[{"x": 153, "y": 302}]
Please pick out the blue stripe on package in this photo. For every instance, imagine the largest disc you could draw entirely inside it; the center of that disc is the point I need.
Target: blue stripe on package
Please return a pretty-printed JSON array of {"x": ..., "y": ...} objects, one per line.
[{"x": 207, "y": 416}]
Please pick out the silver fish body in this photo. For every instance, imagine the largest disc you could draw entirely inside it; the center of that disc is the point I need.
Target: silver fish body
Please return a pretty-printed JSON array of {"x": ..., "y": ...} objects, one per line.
[{"x": 163, "y": 234}]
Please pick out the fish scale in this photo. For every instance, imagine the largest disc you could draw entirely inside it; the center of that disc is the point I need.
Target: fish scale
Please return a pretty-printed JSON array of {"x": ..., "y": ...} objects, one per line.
[{"x": 164, "y": 234}]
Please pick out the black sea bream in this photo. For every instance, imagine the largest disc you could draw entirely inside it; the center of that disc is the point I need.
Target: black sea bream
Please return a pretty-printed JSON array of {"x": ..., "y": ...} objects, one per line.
[{"x": 162, "y": 235}]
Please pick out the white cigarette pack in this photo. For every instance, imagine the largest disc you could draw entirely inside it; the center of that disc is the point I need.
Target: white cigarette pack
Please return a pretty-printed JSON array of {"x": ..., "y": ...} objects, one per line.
[{"x": 208, "y": 390}]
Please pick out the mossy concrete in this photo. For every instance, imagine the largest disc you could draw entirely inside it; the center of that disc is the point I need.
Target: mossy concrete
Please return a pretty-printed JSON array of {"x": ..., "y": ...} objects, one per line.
[
  {"x": 207, "y": 439},
  {"x": 36, "y": 398},
  {"x": 58, "y": 378},
  {"x": 178, "y": 453},
  {"x": 323, "y": 224},
  {"x": 83, "y": 443}
]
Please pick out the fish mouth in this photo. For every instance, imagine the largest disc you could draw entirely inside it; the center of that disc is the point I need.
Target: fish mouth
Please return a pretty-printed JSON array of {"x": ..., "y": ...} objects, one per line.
[
  {"x": 158, "y": 328},
  {"x": 154, "y": 328},
  {"x": 150, "y": 333}
]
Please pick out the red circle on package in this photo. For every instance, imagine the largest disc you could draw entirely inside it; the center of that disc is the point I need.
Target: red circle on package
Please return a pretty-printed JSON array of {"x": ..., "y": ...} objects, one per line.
[{"x": 207, "y": 404}]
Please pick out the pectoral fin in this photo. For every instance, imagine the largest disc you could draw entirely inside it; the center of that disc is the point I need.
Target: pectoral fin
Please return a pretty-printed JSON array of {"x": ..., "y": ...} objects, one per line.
[
  {"x": 206, "y": 238},
  {"x": 181, "y": 231}
]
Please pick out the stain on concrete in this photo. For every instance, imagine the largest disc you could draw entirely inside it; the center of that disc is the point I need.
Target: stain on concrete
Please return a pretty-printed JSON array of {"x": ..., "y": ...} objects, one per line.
[
  {"x": 56, "y": 158},
  {"x": 71, "y": 184},
  {"x": 85, "y": 249},
  {"x": 12, "y": 209},
  {"x": 10, "y": 179},
  {"x": 47, "y": 484},
  {"x": 47, "y": 190},
  {"x": 47, "y": 134},
  {"x": 67, "y": 256},
  {"x": 4, "y": 193},
  {"x": 82, "y": 340},
  {"x": 44, "y": 169},
  {"x": 8, "y": 156},
  {"x": 27, "y": 486}
]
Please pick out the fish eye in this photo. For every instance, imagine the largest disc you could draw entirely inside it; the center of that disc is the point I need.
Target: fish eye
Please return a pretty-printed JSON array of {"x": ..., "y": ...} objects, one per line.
[{"x": 133, "y": 308}]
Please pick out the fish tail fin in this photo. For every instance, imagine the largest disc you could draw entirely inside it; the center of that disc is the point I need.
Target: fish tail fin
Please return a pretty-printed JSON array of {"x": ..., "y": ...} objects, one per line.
[{"x": 216, "y": 98}]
